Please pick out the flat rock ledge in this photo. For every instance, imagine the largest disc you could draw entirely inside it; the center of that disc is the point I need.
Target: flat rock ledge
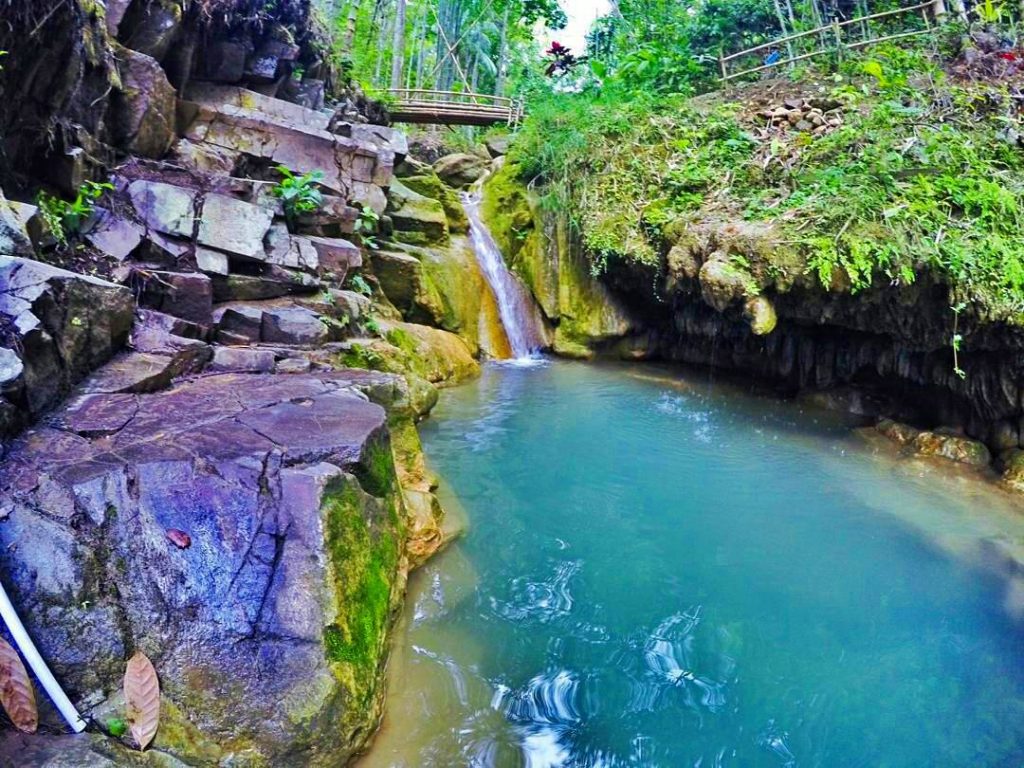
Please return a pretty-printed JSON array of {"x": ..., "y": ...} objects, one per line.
[{"x": 286, "y": 490}]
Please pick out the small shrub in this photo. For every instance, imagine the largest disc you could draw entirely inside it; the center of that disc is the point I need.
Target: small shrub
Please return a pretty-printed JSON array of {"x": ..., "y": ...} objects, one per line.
[
  {"x": 64, "y": 219},
  {"x": 298, "y": 194},
  {"x": 366, "y": 227},
  {"x": 117, "y": 727},
  {"x": 358, "y": 284}
]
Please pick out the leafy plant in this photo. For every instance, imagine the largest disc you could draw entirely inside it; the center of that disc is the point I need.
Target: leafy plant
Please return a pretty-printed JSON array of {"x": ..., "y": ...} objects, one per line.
[
  {"x": 989, "y": 12},
  {"x": 337, "y": 323},
  {"x": 372, "y": 326},
  {"x": 116, "y": 727},
  {"x": 65, "y": 219},
  {"x": 298, "y": 194},
  {"x": 956, "y": 340},
  {"x": 366, "y": 227},
  {"x": 358, "y": 284}
]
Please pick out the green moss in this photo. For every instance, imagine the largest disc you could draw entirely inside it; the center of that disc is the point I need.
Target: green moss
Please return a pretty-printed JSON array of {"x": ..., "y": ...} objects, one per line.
[
  {"x": 430, "y": 185},
  {"x": 401, "y": 339},
  {"x": 921, "y": 176},
  {"x": 364, "y": 558},
  {"x": 506, "y": 210},
  {"x": 376, "y": 470}
]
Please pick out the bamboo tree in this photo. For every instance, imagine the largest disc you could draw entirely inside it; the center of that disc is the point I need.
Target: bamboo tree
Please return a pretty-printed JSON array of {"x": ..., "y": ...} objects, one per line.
[
  {"x": 398, "y": 45},
  {"x": 499, "y": 83}
]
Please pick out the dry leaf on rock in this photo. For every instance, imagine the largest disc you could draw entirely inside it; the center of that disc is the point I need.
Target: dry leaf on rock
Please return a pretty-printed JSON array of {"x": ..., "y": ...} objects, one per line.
[
  {"x": 142, "y": 696},
  {"x": 179, "y": 538},
  {"x": 16, "y": 693}
]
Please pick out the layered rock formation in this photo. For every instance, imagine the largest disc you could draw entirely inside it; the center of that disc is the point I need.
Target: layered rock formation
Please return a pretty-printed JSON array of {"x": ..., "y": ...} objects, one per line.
[{"x": 728, "y": 294}]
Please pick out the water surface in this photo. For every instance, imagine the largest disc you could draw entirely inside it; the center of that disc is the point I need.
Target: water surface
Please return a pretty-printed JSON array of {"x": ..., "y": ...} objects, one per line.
[{"x": 662, "y": 572}]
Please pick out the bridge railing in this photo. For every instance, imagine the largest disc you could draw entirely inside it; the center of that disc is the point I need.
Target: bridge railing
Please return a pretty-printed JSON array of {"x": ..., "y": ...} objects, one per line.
[
  {"x": 454, "y": 104},
  {"x": 831, "y": 38}
]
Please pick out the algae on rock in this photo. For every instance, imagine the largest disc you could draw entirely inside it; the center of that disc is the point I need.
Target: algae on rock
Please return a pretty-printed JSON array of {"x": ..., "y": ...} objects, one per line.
[{"x": 538, "y": 246}]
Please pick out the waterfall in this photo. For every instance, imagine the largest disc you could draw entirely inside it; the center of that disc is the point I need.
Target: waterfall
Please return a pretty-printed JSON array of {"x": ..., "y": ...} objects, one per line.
[{"x": 519, "y": 314}]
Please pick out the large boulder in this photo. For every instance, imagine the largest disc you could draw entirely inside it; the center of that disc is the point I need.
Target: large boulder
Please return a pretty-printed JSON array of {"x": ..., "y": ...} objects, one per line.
[
  {"x": 234, "y": 226},
  {"x": 61, "y": 325},
  {"x": 143, "y": 108},
  {"x": 417, "y": 219},
  {"x": 293, "y": 325},
  {"x": 430, "y": 185},
  {"x": 14, "y": 239},
  {"x": 150, "y": 27},
  {"x": 165, "y": 208},
  {"x": 460, "y": 169},
  {"x": 245, "y": 531},
  {"x": 188, "y": 295},
  {"x": 407, "y": 286}
]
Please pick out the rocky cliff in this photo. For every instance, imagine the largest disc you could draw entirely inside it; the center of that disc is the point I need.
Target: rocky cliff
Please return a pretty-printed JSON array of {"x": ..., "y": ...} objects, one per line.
[
  {"x": 208, "y": 400},
  {"x": 735, "y": 295}
]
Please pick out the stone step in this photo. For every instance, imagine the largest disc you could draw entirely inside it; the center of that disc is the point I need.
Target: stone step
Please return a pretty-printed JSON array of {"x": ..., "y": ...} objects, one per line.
[{"x": 222, "y": 231}]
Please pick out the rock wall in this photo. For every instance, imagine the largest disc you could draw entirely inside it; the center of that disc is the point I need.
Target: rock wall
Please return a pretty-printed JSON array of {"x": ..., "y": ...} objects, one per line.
[
  {"x": 94, "y": 80},
  {"x": 585, "y": 314},
  {"x": 729, "y": 295},
  {"x": 221, "y": 466}
]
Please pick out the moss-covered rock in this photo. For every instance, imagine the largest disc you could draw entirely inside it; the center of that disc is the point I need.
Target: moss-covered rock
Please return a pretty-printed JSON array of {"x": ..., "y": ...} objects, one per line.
[
  {"x": 442, "y": 285},
  {"x": 1013, "y": 470},
  {"x": 407, "y": 286},
  {"x": 416, "y": 219},
  {"x": 415, "y": 352},
  {"x": 760, "y": 313},
  {"x": 460, "y": 169},
  {"x": 954, "y": 447},
  {"x": 539, "y": 247},
  {"x": 430, "y": 185}
]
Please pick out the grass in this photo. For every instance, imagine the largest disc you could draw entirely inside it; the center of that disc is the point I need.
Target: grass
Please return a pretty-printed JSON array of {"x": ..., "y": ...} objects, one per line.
[{"x": 924, "y": 175}]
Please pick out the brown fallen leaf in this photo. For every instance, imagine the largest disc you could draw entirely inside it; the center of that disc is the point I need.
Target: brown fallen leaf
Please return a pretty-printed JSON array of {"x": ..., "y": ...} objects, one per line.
[
  {"x": 16, "y": 693},
  {"x": 142, "y": 695},
  {"x": 180, "y": 539}
]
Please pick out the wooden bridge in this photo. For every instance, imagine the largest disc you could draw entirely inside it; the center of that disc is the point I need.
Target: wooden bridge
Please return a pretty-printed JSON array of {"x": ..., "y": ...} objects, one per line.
[{"x": 411, "y": 105}]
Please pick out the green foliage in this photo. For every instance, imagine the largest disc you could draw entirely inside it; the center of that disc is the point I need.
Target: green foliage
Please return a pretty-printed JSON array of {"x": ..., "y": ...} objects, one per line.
[
  {"x": 372, "y": 326},
  {"x": 671, "y": 47},
  {"x": 358, "y": 284},
  {"x": 340, "y": 324},
  {"x": 298, "y": 194},
  {"x": 116, "y": 727},
  {"x": 923, "y": 175},
  {"x": 401, "y": 339},
  {"x": 364, "y": 357},
  {"x": 66, "y": 219},
  {"x": 617, "y": 198},
  {"x": 366, "y": 227}
]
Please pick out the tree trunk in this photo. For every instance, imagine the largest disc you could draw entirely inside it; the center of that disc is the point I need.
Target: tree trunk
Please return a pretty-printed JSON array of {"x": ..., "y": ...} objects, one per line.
[
  {"x": 350, "y": 29},
  {"x": 398, "y": 45},
  {"x": 782, "y": 28},
  {"x": 499, "y": 83},
  {"x": 382, "y": 42}
]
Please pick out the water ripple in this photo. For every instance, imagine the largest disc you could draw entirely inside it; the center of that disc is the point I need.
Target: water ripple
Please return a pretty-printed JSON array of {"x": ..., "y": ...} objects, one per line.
[
  {"x": 679, "y": 407},
  {"x": 544, "y": 601}
]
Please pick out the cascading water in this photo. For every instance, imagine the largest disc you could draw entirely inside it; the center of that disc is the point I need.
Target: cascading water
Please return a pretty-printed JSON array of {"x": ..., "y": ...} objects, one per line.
[{"x": 518, "y": 312}]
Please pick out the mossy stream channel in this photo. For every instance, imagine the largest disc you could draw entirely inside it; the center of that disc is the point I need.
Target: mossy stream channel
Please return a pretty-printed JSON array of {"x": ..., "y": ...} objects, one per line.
[{"x": 662, "y": 570}]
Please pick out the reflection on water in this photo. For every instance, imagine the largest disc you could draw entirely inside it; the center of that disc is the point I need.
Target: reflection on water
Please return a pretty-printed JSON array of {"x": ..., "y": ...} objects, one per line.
[{"x": 670, "y": 573}]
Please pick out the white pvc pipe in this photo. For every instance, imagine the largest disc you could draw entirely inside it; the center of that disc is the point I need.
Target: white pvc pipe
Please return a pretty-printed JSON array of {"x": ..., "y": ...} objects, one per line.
[{"x": 43, "y": 674}]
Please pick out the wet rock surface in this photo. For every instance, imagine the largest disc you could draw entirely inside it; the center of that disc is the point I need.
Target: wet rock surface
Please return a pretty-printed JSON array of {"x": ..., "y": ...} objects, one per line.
[
  {"x": 234, "y": 623},
  {"x": 58, "y": 326}
]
